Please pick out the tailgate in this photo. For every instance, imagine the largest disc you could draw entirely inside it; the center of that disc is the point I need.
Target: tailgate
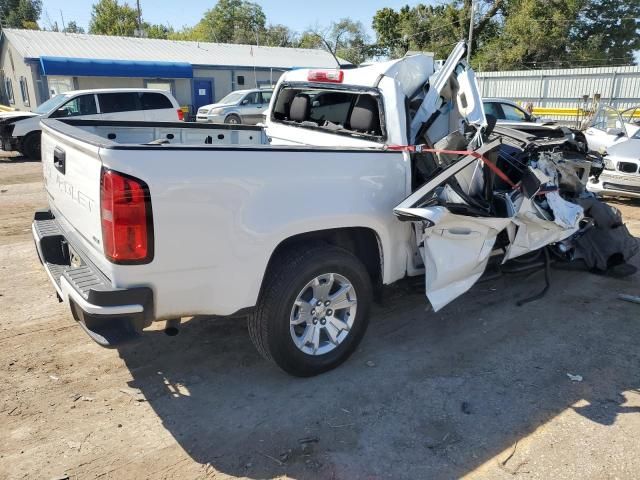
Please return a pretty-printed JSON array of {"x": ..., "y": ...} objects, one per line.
[{"x": 71, "y": 169}]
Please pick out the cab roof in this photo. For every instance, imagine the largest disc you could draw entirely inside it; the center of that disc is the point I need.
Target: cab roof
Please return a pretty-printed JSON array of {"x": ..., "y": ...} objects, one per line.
[{"x": 410, "y": 73}]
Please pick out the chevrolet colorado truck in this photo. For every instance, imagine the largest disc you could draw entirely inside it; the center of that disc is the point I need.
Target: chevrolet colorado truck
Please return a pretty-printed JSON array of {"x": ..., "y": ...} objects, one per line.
[{"x": 294, "y": 225}]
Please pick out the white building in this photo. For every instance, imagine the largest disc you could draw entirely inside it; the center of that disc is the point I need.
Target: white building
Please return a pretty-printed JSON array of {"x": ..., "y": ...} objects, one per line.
[{"x": 37, "y": 64}]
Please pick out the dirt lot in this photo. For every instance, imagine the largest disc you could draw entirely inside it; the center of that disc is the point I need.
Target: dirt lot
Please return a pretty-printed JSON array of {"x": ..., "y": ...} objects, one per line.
[{"x": 479, "y": 389}]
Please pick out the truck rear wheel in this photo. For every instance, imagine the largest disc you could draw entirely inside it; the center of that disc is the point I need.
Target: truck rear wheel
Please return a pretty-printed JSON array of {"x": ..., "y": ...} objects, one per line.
[
  {"x": 30, "y": 146},
  {"x": 313, "y": 311}
]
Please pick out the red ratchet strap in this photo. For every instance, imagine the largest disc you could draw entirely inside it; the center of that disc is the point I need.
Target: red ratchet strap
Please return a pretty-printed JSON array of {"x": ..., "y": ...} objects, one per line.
[{"x": 422, "y": 148}]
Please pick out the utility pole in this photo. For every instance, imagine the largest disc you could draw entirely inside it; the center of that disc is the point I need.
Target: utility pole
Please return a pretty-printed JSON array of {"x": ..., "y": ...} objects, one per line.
[
  {"x": 470, "y": 41},
  {"x": 64, "y": 27},
  {"x": 139, "y": 19}
]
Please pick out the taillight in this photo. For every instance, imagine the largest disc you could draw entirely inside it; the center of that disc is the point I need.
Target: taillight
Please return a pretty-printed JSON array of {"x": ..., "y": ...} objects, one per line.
[
  {"x": 328, "y": 76},
  {"x": 180, "y": 115},
  {"x": 127, "y": 222}
]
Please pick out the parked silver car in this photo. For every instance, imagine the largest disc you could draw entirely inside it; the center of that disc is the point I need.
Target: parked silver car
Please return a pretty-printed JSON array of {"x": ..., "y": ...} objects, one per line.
[{"x": 241, "y": 106}]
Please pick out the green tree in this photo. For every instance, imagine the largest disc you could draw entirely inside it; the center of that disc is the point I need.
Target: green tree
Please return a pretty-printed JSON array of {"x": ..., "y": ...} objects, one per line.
[
  {"x": 230, "y": 21},
  {"x": 311, "y": 39},
  {"x": 278, "y": 36},
  {"x": 345, "y": 39},
  {"x": 606, "y": 32},
  {"x": 73, "y": 27},
  {"x": 512, "y": 34},
  {"x": 534, "y": 34},
  {"x": 109, "y": 17},
  {"x": 157, "y": 31},
  {"x": 21, "y": 13},
  {"x": 433, "y": 28}
]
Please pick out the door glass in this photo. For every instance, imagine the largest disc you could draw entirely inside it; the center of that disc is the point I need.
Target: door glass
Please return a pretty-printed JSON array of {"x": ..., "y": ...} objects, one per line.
[
  {"x": 82, "y": 105},
  {"x": 493, "y": 109},
  {"x": 266, "y": 97},
  {"x": 253, "y": 98},
  {"x": 118, "y": 102},
  {"x": 513, "y": 113}
]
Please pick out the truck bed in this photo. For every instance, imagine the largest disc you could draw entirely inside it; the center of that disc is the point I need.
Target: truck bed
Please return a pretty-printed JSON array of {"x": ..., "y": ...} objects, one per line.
[
  {"x": 222, "y": 199},
  {"x": 103, "y": 133}
]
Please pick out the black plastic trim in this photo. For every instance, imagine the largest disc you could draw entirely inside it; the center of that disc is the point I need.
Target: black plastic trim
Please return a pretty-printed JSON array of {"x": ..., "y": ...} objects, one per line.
[{"x": 93, "y": 286}]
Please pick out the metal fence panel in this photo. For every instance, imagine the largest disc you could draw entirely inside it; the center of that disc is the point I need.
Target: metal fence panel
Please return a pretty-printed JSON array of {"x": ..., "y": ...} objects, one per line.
[{"x": 564, "y": 88}]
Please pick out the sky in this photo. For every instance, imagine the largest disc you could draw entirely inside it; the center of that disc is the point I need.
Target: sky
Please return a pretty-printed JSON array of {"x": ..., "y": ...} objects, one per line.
[{"x": 296, "y": 15}]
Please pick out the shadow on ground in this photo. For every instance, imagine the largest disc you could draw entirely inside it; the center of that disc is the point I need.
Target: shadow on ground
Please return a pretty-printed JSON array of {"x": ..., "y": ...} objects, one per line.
[{"x": 428, "y": 395}]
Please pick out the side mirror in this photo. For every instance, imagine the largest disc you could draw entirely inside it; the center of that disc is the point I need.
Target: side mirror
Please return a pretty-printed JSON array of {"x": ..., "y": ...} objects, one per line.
[
  {"x": 244, "y": 102},
  {"x": 532, "y": 118},
  {"x": 618, "y": 132}
]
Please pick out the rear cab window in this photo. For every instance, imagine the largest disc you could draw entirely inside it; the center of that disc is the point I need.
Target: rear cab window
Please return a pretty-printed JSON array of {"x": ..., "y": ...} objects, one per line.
[{"x": 342, "y": 111}]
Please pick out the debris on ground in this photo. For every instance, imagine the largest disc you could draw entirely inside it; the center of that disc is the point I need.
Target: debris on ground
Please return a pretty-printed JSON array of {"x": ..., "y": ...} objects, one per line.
[
  {"x": 629, "y": 298},
  {"x": 134, "y": 393},
  {"x": 370, "y": 363},
  {"x": 574, "y": 378}
]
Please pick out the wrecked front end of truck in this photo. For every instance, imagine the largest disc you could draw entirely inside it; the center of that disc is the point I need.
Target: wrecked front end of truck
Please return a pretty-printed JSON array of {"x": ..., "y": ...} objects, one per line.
[{"x": 495, "y": 194}]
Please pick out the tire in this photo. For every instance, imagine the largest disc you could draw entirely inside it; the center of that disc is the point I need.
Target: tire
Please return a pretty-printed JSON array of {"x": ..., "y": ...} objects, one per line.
[
  {"x": 233, "y": 119},
  {"x": 30, "y": 146},
  {"x": 269, "y": 325}
]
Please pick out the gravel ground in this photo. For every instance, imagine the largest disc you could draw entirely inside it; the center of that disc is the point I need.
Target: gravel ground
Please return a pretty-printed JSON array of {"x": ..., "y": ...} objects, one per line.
[{"x": 479, "y": 389}]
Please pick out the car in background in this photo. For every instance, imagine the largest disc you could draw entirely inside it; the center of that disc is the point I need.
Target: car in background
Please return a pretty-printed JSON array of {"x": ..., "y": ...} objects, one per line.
[
  {"x": 508, "y": 113},
  {"x": 621, "y": 174},
  {"x": 610, "y": 127},
  {"x": 240, "y": 106},
  {"x": 21, "y": 130}
]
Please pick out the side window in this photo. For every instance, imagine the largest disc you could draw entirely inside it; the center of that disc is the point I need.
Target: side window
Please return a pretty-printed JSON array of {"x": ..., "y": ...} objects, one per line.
[
  {"x": 82, "y": 105},
  {"x": 512, "y": 113},
  {"x": 9, "y": 89},
  {"x": 24, "y": 90},
  {"x": 118, "y": 102},
  {"x": 266, "y": 96},
  {"x": 491, "y": 108},
  {"x": 240, "y": 79},
  {"x": 253, "y": 98},
  {"x": 154, "y": 101}
]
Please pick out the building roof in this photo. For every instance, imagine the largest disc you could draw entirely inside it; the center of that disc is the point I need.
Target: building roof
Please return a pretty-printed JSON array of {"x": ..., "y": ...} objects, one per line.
[{"x": 37, "y": 43}]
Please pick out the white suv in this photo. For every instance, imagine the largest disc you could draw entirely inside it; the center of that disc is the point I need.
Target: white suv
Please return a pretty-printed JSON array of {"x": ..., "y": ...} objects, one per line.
[{"x": 21, "y": 130}]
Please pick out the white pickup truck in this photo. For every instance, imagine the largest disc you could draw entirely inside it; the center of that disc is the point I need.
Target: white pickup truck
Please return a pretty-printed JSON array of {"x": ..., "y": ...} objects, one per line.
[{"x": 291, "y": 225}]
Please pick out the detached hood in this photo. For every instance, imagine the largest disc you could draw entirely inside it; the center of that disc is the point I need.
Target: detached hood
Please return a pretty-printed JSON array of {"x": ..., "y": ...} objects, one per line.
[{"x": 8, "y": 117}]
